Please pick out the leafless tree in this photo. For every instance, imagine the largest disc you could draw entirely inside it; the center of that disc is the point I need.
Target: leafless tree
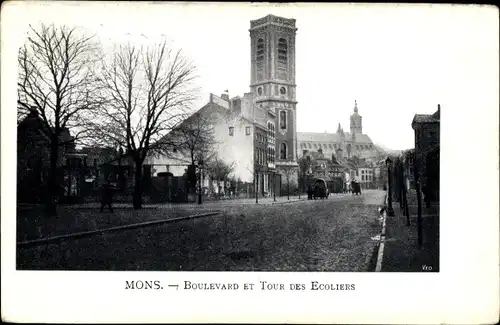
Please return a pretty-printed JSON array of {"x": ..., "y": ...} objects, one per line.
[
  {"x": 195, "y": 136},
  {"x": 218, "y": 170},
  {"x": 288, "y": 172},
  {"x": 57, "y": 73},
  {"x": 150, "y": 91},
  {"x": 305, "y": 170}
]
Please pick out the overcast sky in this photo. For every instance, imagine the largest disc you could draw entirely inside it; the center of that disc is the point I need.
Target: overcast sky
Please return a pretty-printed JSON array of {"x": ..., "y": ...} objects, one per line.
[{"x": 395, "y": 60}]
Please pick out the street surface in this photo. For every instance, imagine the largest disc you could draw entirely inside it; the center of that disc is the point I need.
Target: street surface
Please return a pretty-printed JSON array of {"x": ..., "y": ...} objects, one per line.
[{"x": 335, "y": 234}]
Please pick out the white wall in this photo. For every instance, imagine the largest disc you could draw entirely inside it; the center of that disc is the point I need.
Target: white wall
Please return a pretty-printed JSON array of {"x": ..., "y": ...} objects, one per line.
[{"x": 237, "y": 149}]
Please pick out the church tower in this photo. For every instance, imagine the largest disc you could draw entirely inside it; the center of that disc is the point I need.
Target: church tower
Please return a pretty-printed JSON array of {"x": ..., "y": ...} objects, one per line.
[
  {"x": 272, "y": 81},
  {"x": 356, "y": 126}
]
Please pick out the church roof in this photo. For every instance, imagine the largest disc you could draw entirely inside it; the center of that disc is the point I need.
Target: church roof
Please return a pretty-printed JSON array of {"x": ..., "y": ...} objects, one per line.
[
  {"x": 330, "y": 137},
  {"x": 424, "y": 118}
]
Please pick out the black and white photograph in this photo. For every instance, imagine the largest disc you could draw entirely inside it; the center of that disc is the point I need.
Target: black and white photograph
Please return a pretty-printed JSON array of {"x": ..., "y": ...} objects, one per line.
[{"x": 246, "y": 138}]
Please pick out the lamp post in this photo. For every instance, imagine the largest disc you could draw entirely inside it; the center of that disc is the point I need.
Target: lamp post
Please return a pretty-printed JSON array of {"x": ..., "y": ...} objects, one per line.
[
  {"x": 390, "y": 210},
  {"x": 256, "y": 186},
  {"x": 200, "y": 188},
  {"x": 274, "y": 185}
]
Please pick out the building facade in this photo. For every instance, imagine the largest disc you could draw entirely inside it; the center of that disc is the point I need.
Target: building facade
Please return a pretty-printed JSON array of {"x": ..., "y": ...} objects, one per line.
[
  {"x": 273, "y": 88},
  {"x": 427, "y": 147}
]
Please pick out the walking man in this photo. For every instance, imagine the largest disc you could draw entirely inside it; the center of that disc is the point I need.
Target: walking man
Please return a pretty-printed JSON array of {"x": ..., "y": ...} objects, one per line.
[{"x": 107, "y": 196}]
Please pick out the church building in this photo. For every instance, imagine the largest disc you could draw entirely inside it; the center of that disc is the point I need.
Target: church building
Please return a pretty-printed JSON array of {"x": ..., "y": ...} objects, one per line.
[{"x": 343, "y": 145}]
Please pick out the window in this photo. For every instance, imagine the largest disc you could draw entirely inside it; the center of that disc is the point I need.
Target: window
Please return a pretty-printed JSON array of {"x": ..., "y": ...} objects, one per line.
[
  {"x": 283, "y": 120},
  {"x": 362, "y": 177},
  {"x": 260, "y": 50},
  {"x": 283, "y": 153},
  {"x": 282, "y": 54},
  {"x": 247, "y": 130},
  {"x": 309, "y": 144},
  {"x": 315, "y": 145},
  {"x": 231, "y": 131}
]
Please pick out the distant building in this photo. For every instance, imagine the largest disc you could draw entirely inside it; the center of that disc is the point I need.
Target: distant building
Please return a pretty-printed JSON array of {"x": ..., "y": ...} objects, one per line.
[
  {"x": 327, "y": 168},
  {"x": 342, "y": 144}
]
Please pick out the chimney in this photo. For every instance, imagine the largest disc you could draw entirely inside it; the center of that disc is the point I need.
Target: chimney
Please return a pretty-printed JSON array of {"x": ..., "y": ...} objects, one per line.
[{"x": 225, "y": 95}]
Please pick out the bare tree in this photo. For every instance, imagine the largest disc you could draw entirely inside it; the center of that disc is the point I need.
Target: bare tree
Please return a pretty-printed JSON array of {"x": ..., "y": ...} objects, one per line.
[
  {"x": 150, "y": 90},
  {"x": 195, "y": 136},
  {"x": 57, "y": 73},
  {"x": 219, "y": 170},
  {"x": 288, "y": 172},
  {"x": 305, "y": 170}
]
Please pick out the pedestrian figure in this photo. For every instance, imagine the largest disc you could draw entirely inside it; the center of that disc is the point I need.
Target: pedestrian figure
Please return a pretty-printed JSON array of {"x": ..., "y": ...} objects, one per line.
[
  {"x": 309, "y": 192},
  {"x": 107, "y": 196},
  {"x": 426, "y": 193}
]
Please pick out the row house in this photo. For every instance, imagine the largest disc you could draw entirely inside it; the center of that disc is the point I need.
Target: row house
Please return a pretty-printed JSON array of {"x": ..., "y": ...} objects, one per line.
[{"x": 427, "y": 149}]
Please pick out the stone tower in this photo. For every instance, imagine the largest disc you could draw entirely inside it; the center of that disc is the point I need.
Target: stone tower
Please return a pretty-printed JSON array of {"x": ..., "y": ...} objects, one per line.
[
  {"x": 272, "y": 81},
  {"x": 356, "y": 123}
]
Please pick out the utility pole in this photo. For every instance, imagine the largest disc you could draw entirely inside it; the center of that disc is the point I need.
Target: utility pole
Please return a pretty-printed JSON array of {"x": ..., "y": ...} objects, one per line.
[
  {"x": 419, "y": 202},
  {"x": 274, "y": 185},
  {"x": 256, "y": 186}
]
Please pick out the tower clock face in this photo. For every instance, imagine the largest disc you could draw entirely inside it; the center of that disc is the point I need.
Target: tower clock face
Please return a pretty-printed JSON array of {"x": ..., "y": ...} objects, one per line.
[
  {"x": 282, "y": 90},
  {"x": 259, "y": 91}
]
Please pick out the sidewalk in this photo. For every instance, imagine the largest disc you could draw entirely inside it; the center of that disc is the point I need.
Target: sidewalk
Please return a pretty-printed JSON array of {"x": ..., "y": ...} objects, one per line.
[
  {"x": 212, "y": 204},
  {"x": 32, "y": 224},
  {"x": 401, "y": 253}
]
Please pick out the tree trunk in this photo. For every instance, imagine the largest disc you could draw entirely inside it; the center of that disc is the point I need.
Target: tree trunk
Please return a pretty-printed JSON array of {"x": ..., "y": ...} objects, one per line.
[
  {"x": 137, "y": 198},
  {"x": 51, "y": 207}
]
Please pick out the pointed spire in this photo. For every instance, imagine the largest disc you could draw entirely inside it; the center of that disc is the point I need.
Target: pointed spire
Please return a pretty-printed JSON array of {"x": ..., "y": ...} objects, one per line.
[
  {"x": 339, "y": 129},
  {"x": 355, "y": 106}
]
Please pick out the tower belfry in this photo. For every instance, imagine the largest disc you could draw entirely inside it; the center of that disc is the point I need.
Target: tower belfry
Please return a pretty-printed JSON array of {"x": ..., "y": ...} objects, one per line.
[
  {"x": 272, "y": 80},
  {"x": 356, "y": 121}
]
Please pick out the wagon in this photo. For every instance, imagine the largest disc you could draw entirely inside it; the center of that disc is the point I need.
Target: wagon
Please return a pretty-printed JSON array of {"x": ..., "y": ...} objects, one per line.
[
  {"x": 356, "y": 188},
  {"x": 320, "y": 189}
]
